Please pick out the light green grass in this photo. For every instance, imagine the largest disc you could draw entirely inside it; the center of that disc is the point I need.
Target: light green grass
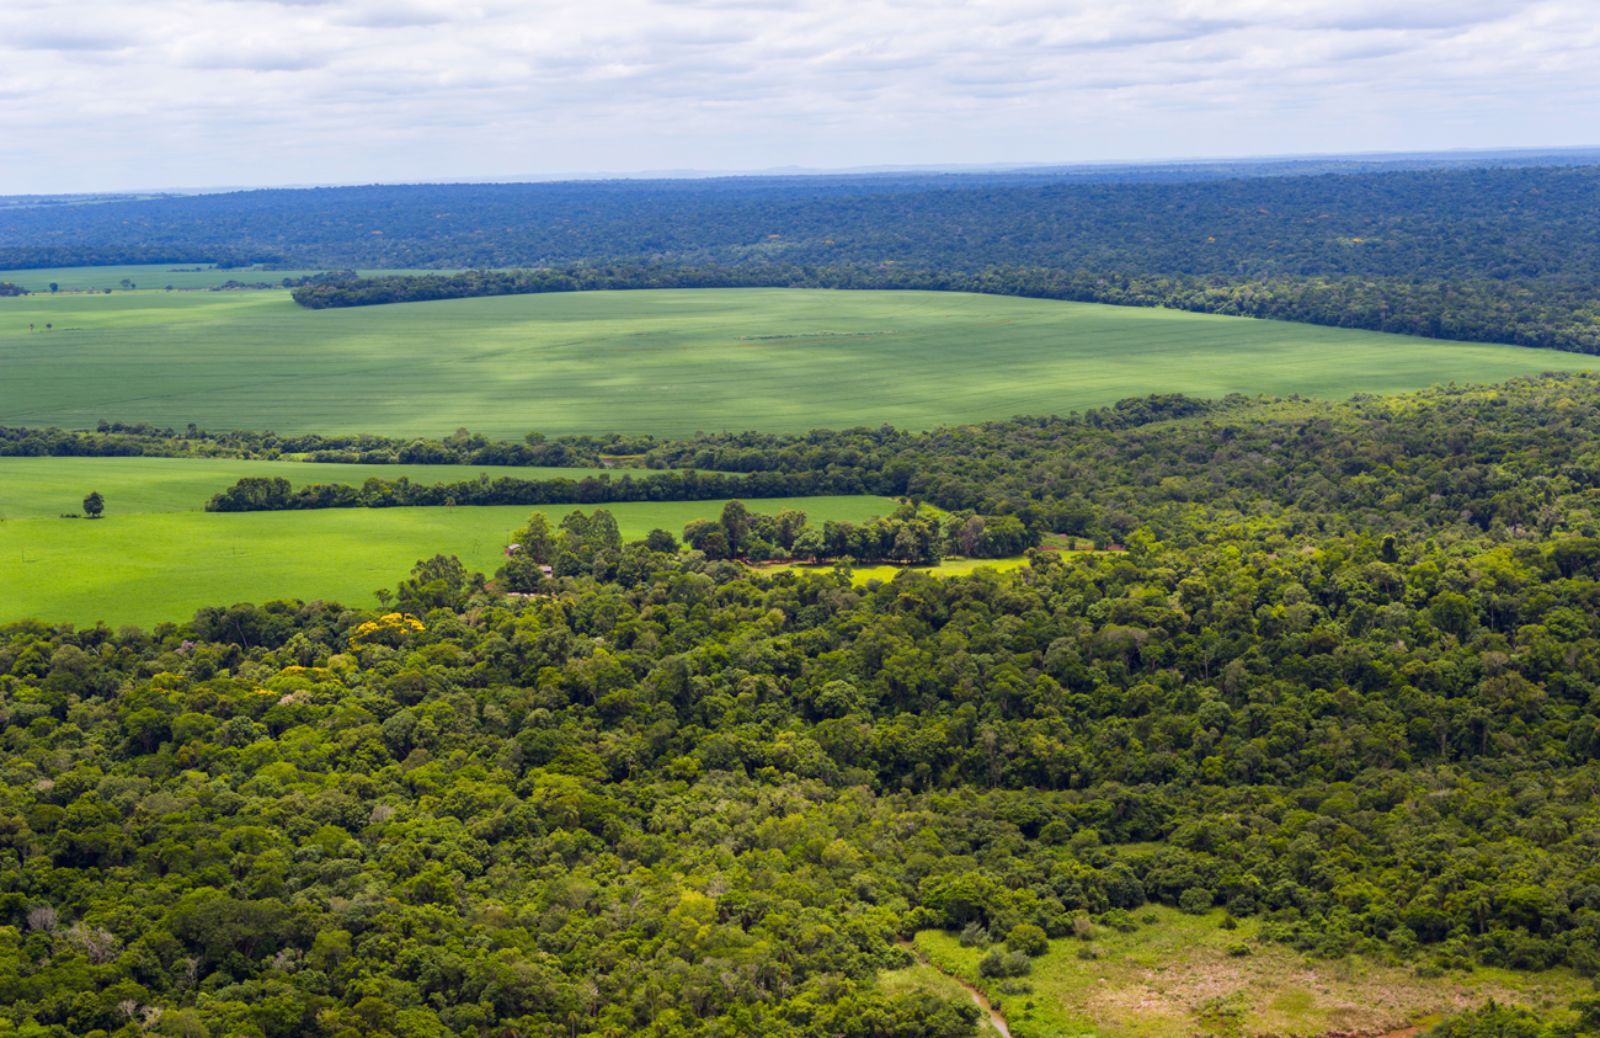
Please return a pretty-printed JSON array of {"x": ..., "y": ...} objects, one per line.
[
  {"x": 861, "y": 575},
  {"x": 148, "y": 567},
  {"x": 1174, "y": 978},
  {"x": 670, "y": 362},
  {"x": 157, "y": 276},
  {"x": 48, "y": 487}
]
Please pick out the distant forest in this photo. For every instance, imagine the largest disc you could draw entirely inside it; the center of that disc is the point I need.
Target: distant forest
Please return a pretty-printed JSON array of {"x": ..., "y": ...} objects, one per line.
[{"x": 1504, "y": 254}]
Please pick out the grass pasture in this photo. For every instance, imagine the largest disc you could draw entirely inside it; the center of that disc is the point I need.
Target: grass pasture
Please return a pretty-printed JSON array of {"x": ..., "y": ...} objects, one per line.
[
  {"x": 33, "y": 488},
  {"x": 669, "y": 362},
  {"x": 156, "y": 556},
  {"x": 1174, "y": 978},
  {"x": 862, "y": 575}
]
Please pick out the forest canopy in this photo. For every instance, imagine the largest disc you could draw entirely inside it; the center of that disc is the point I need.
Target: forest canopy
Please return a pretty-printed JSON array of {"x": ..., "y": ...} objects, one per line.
[{"x": 1344, "y": 680}]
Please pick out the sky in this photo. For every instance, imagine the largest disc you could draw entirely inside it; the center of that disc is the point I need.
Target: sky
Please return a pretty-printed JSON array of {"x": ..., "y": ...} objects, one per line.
[{"x": 100, "y": 95}]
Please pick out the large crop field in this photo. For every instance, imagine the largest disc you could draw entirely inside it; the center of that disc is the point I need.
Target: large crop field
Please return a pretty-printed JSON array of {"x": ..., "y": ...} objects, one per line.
[
  {"x": 669, "y": 362},
  {"x": 157, "y": 556}
]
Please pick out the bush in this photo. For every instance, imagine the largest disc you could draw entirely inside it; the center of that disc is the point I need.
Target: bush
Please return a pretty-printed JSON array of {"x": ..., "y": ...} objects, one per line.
[
  {"x": 1005, "y": 964},
  {"x": 1028, "y": 939},
  {"x": 1119, "y": 919},
  {"x": 1196, "y": 900}
]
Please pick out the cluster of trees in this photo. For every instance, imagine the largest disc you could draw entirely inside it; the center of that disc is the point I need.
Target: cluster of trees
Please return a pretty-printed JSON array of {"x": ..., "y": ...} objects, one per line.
[
  {"x": 590, "y": 544},
  {"x": 270, "y": 494},
  {"x": 908, "y": 535}
]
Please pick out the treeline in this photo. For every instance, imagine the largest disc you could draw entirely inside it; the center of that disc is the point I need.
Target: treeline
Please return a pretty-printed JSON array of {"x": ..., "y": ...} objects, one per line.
[
  {"x": 1551, "y": 314},
  {"x": 908, "y": 535},
  {"x": 274, "y": 494},
  {"x": 118, "y": 439},
  {"x": 1514, "y": 458}
]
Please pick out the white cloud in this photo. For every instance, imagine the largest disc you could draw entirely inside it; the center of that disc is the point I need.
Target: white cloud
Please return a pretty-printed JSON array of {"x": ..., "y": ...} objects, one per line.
[{"x": 195, "y": 92}]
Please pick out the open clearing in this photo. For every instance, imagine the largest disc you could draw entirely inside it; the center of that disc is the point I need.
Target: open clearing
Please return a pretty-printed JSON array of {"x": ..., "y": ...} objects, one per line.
[
  {"x": 1174, "y": 978},
  {"x": 669, "y": 362},
  {"x": 147, "y": 567},
  {"x": 861, "y": 575}
]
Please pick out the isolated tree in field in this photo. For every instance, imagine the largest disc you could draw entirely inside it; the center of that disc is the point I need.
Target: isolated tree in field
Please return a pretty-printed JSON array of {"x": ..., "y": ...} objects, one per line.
[{"x": 94, "y": 504}]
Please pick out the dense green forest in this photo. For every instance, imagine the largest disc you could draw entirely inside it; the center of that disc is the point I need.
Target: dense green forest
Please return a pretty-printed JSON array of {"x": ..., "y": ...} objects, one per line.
[
  {"x": 1521, "y": 457},
  {"x": 1456, "y": 224},
  {"x": 1345, "y": 680},
  {"x": 1487, "y": 254}
]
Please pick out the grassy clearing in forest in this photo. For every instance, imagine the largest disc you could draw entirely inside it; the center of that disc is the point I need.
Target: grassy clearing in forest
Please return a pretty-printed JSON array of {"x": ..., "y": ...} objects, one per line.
[
  {"x": 1178, "y": 976},
  {"x": 144, "y": 568},
  {"x": 861, "y": 575},
  {"x": 669, "y": 362}
]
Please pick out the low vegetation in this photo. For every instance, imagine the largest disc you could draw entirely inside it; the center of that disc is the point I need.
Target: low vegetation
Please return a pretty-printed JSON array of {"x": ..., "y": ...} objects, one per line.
[
  {"x": 667, "y": 363},
  {"x": 1161, "y": 973}
]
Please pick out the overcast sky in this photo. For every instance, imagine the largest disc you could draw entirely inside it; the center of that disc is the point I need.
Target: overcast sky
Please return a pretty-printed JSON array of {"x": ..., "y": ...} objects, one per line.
[{"x": 113, "y": 94}]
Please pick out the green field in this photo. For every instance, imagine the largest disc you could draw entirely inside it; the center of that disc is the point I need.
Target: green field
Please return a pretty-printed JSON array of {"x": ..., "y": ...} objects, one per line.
[
  {"x": 861, "y": 575},
  {"x": 669, "y": 362},
  {"x": 157, "y": 557},
  {"x": 156, "y": 276},
  {"x": 1174, "y": 977},
  {"x": 47, "y": 487}
]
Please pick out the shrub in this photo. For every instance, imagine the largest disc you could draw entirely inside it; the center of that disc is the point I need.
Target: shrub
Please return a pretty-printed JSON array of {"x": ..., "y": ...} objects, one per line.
[
  {"x": 1028, "y": 939},
  {"x": 1004, "y": 964}
]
